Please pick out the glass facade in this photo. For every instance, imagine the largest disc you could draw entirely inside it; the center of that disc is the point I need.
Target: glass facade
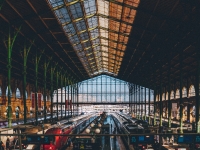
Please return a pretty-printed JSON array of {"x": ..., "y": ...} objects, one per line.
[{"x": 103, "y": 89}]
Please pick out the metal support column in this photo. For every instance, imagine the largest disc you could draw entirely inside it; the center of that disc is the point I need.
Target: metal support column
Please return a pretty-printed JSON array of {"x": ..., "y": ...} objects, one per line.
[
  {"x": 145, "y": 99},
  {"x": 101, "y": 89},
  {"x": 115, "y": 91},
  {"x": 25, "y": 56},
  {"x": 71, "y": 98},
  {"x": 181, "y": 100},
  {"x": 57, "y": 75},
  {"x": 139, "y": 100},
  {"x": 136, "y": 101},
  {"x": 149, "y": 106},
  {"x": 61, "y": 88},
  {"x": 134, "y": 108},
  {"x": 169, "y": 101},
  {"x": 65, "y": 95},
  {"x": 46, "y": 64},
  {"x": 154, "y": 119},
  {"x": 77, "y": 97},
  {"x": 9, "y": 66},
  {"x": 37, "y": 60},
  {"x": 197, "y": 88},
  {"x": 52, "y": 91},
  {"x": 161, "y": 103},
  {"x": 68, "y": 102}
]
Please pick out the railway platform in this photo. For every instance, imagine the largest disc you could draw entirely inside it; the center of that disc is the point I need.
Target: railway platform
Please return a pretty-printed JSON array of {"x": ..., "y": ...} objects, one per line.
[{"x": 104, "y": 142}]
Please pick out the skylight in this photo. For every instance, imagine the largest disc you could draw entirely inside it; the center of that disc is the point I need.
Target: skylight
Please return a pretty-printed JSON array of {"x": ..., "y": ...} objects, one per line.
[{"x": 98, "y": 30}]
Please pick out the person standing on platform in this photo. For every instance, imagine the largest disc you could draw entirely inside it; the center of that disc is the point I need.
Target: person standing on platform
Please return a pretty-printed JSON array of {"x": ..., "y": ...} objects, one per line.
[
  {"x": 7, "y": 144},
  {"x": 69, "y": 142},
  {"x": 2, "y": 146}
]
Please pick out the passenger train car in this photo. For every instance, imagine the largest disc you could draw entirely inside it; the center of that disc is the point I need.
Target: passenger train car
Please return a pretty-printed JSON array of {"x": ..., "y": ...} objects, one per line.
[
  {"x": 126, "y": 126},
  {"x": 74, "y": 125},
  {"x": 57, "y": 142}
]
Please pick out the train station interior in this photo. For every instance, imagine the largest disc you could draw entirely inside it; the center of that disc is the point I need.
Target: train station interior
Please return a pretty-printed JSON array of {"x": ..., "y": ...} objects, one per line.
[{"x": 100, "y": 74}]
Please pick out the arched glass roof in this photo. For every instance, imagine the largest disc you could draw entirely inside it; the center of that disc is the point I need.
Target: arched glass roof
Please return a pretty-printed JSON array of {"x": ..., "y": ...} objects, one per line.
[{"x": 98, "y": 30}]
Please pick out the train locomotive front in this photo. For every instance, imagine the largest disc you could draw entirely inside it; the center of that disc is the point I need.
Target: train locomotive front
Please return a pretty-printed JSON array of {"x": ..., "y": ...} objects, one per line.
[{"x": 61, "y": 138}]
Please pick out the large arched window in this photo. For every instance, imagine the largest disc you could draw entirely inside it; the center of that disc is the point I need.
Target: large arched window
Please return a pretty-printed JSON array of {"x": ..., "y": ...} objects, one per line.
[
  {"x": 42, "y": 98},
  {"x": 167, "y": 96},
  {"x": 18, "y": 95},
  {"x": 191, "y": 91},
  {"x": 163, "y": 97},
  {"x": 172, "y": 95},
  {"x": 7, "y": 92},
  {"x": 184, "y": 92},
  {"x": 177, "y": 93},
  {"x": 0, "y": 92},
  {"x": 157, "y": 98}
]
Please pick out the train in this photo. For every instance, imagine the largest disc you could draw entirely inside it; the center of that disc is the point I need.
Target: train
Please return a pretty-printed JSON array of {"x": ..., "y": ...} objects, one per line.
[
  {"x": 66, "y": 127},
  {"x": 127, "y": 126}
]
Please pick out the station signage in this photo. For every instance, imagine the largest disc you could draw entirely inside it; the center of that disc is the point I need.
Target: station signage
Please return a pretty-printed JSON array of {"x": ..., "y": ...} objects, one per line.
[
  {"x": 66, "y": 104},
  {"x": 185, "y": 139},
  {"x": 33, "y": 98},
  {"x": 39, "y": 96},
  {"x": 85, "y": 146},
  {"x": 37, "y": 139},
  {"x": 142, "y": 139},
  {"x": 197, "y": 139}
]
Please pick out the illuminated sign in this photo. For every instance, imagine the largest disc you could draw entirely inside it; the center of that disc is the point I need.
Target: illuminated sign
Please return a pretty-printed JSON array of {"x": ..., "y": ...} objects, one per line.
[
  {"x": 142, "y": 139},
  {"x": 37, "y": 140}
]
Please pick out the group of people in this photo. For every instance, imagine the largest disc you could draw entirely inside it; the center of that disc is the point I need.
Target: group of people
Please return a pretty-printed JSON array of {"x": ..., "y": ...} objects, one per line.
[{"x": 7, "y": 146}]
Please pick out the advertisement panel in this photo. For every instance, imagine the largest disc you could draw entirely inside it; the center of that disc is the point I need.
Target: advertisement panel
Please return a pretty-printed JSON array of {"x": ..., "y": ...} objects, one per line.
[
  {"x": 70, "y": 104},
  {"x": 66, "y": 104},
  {"x": 39, "y": 100},
  {"x": 33, "y": 100}
]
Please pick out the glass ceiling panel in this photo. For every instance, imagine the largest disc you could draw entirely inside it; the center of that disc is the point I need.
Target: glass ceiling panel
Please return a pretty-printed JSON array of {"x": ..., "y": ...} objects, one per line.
[
  {"x": 103, "y": 7},
  {"x": 103, "y": 33},
  {"x": 103, "y": 22},
  {"x": 69, "y": 29},
  {"x": 94, "y": 33},
  {"x": 80, "y": 25},
  {"x": 74, "y": 39},
  {"x": 113, "y": 44},
  {"x": 92, "y": 22},
  {"x": 95, "y": 41},
  {"x": 115, "y": 11},
  {"x": 98, "y": 30},
  {"x": 62, "y": 15},
  {"x": 113, "y": 36},
  {"x": 134, "y": 3},
  {"x": 114, "y": 25},
  {"x": 84, "y": 36},
  {"x": 128, "y": 15},
  {"x": 76, "y": 10},
  {"x": 55, "y": 3},
  {"x": 78, "y": 47},
  {"x": 70, "y": 0},
  {"x": 123, "y": 39},
  {"x": 97, "y": 48},
  {"x": 112, "y": 51},
  {"x": 90, "y": 7},
  {"x": 104, "y": 42},
  {"x": 86, "y": 44}
]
